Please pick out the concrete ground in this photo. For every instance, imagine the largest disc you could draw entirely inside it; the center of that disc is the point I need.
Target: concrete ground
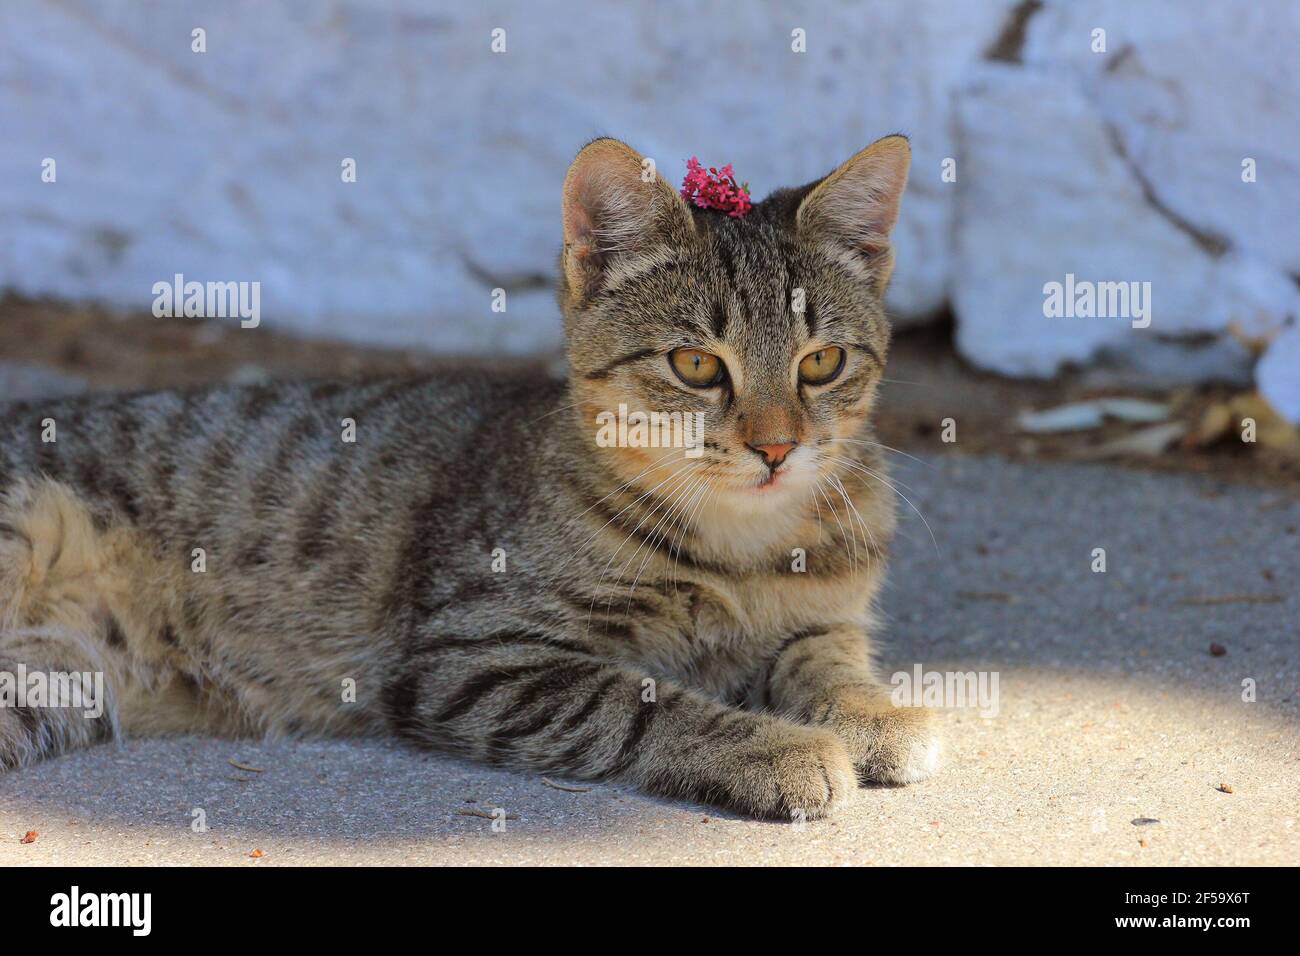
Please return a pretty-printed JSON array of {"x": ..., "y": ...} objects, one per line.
[{"x": 1117, "y": 734}]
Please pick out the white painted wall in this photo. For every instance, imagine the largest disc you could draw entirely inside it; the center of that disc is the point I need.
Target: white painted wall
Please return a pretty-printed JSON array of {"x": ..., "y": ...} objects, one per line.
[{"x": 225, "y": 165}]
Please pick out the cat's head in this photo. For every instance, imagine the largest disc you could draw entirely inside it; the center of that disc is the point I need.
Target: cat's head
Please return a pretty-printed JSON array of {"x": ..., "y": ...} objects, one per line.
[{"x": 771, "y": 325}]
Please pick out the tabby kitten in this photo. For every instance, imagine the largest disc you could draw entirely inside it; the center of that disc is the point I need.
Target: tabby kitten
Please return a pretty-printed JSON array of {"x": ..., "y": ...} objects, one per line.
[{"x": 475, "y": 571}]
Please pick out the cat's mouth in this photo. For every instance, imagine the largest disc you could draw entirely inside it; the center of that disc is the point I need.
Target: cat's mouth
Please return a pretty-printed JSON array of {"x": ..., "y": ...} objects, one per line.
[{"x": 770, "y": 481}]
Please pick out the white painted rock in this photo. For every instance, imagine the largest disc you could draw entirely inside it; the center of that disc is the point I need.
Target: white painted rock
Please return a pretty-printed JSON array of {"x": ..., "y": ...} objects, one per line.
[
  {"x": 1045, "y": 196},
  {"x": 1193, "y": 90},
  {"x": 225, "y": 165}
]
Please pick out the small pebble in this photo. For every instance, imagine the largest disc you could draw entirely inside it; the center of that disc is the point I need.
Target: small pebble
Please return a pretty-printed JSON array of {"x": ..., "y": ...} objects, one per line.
[
  {"x": 1217, "y": 650},
  {"x": 1225, "y": 788}
]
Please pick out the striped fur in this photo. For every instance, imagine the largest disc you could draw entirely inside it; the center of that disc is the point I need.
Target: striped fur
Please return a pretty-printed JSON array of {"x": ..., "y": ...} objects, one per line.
[{"x": 649, "y": 623}]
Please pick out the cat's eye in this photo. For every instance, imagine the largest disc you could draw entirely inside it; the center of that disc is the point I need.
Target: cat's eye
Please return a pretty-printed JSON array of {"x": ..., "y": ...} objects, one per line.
[
  {"x": 822, "y": 366},
  {"x": 697, "y": 369}
]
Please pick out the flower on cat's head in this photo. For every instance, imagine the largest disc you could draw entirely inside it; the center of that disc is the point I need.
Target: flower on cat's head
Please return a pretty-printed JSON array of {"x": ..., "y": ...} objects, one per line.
[{"x": 714, "y": 188}]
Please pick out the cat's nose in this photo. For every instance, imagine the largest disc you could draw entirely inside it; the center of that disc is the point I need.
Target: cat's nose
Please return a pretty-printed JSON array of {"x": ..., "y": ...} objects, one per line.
[{"x": 773, "y": 453}]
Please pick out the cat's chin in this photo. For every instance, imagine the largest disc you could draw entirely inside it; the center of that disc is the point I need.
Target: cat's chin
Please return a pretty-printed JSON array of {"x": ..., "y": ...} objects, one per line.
[{"x": 772, "y": 493}]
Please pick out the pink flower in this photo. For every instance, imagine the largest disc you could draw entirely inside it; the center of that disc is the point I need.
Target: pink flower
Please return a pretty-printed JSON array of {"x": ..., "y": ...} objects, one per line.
[{"x": 715, "y": 189}]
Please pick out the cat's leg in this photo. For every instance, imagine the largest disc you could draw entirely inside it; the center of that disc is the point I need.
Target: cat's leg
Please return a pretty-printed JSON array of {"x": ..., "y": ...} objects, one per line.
[
  {"x": 824, "y": 678},
  {"x": 525, "y": 699},
  {"x": 58, "y": 665}
]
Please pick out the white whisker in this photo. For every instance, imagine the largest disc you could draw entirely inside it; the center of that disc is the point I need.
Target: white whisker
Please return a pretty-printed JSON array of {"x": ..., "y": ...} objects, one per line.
[
  {"x": 858, "y": 467},
  {"x": 861, "y": 441}
]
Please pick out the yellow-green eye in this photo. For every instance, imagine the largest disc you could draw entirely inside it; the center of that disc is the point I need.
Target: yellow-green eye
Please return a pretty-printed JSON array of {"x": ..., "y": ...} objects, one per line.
[
  {"x": 820, "y": 367},
  {"x": 696, "y": 368}
]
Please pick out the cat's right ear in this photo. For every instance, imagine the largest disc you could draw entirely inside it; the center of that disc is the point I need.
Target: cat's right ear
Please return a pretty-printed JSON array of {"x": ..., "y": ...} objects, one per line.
[
  {"x": 616, "y": 208},
  {"x": 856, "y": 206}
]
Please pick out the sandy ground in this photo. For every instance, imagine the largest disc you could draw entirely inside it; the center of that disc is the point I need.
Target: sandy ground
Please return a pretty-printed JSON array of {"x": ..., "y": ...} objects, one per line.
[{"x": 1112, "y": 711}]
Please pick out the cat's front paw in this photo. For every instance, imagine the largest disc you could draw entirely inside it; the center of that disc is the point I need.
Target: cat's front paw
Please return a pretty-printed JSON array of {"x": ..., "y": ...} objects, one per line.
[
  {"x": 889, "y": 744},
  {"x": 787, "y": 772}
]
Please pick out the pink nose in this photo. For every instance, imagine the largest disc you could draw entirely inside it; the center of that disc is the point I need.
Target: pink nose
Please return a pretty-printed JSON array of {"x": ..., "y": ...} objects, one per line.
[{"x": 775, "y": 453}]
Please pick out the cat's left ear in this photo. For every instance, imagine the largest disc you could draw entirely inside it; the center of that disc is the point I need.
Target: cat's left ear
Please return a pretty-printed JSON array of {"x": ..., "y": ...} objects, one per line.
[
  {"x": 617, "y": 208},
  {"x": 857, "y": 205}
]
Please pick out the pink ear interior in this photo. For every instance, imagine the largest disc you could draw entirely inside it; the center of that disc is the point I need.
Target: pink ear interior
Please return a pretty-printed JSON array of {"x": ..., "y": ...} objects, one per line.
[
  {"x": 608, "y": 209},
  {"x": 579, "y": 225},
  {"x": 610, "y": 212},
  {"x": 579, "y": 209},
  {"x": 600, "y": 193}
]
